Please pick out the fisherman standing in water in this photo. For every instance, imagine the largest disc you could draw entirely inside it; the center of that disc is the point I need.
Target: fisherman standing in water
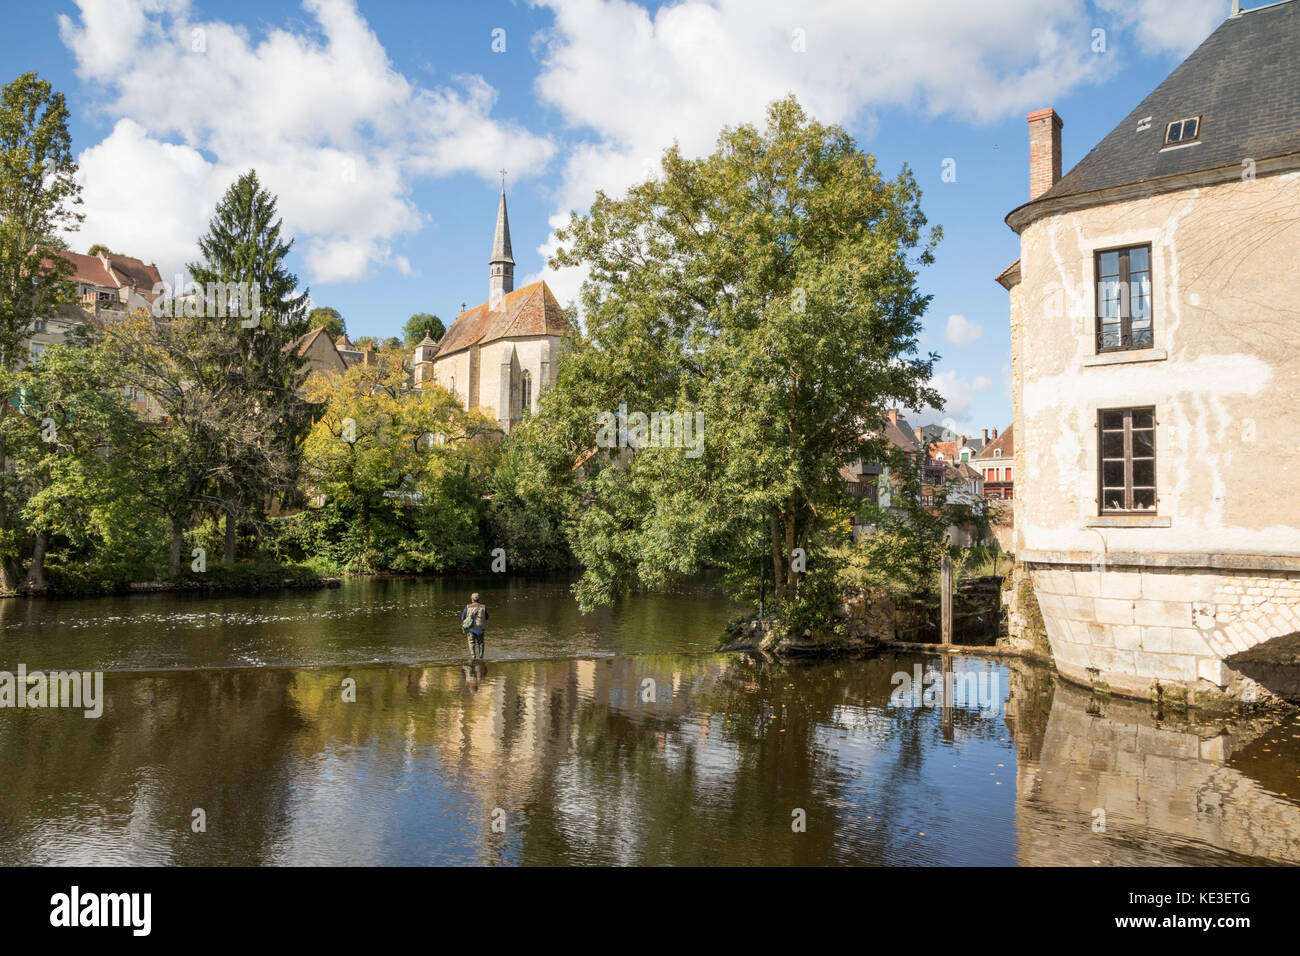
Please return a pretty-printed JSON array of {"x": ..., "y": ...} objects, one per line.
[{"x": 472, "y": 621}]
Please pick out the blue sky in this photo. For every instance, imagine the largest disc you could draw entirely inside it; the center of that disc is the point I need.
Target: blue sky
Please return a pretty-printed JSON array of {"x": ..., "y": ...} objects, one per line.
[{"x": 381, "y": 125}]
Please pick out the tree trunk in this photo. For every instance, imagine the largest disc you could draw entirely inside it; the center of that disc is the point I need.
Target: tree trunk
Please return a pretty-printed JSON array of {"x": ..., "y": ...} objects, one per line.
[
  {"x": 230, "y": 538},
  {"x": 11, "y": 574},
  {"x": 778, "y": 566},
  {"x": 11, "y": 569},
  {"x": 36, "y": 570},
  {"x": 792, "y": 577},
  {"x": 178, "y": 541}
]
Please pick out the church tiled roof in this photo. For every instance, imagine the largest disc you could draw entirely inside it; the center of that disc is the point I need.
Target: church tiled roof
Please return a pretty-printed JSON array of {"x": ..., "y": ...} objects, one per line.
[{"x": 531, "y": 310}]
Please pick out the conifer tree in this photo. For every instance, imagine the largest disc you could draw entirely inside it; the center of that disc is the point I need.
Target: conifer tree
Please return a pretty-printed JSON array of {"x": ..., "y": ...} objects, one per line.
[{"x": 244, "y": 246}]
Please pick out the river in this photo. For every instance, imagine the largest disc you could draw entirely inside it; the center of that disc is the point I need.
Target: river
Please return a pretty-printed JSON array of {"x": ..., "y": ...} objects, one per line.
[{"x": 345, "y": 727}]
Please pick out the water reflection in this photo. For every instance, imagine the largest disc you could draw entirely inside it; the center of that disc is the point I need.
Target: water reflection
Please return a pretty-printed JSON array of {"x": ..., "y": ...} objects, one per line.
[
  {"x": 1166, "y": 791},
  {"x": 647, "y": 759}
]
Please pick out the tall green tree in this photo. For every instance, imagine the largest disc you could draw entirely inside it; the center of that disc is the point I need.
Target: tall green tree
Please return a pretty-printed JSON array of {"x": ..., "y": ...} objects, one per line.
[
  {"x": 770, "y": 287},
  {"x": 421, "y": 324},
  {"x": 331, "y": 319},
  {"x": 244, "y": 244},
  {"x": 39, "y": 196},
  {"x": 72, "y": 444}
]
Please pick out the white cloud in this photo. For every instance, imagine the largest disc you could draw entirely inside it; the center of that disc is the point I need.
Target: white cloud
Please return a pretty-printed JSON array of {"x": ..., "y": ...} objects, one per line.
[
  {"x": 629, "y": 82},
  {"x": 958, "y": 400},
  {"x": 146, "y": 198},
  {"x": 332, "y": 129},
  {"x": 961, "y": 331},
  {"x": 1167, "y": 26}
]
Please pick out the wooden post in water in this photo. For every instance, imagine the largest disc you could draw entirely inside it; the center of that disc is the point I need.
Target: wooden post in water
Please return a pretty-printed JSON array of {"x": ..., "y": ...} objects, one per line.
[{"x": 946, "y": 599}]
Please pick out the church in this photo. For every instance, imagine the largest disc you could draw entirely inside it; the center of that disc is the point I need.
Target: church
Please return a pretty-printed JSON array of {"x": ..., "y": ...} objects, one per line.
[{"x": 498, "y": 356}]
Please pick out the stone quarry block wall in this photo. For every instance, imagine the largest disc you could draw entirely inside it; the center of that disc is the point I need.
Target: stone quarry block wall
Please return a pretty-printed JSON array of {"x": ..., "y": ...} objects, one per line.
[{"x": 1141, "y": 630}]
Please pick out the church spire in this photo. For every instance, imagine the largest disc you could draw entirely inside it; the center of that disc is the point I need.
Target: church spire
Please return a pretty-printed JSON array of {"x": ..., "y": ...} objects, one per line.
[{"x": 502, "y": 264}]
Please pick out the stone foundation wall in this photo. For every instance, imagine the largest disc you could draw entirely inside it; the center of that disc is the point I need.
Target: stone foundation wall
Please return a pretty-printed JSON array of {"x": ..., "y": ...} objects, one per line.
[
  {"x": 1026, "y": 632},
  {"x": 1141, "y": 630}
]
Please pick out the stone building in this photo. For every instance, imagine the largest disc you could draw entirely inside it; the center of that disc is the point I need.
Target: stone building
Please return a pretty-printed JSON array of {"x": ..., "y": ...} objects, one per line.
[
  {"x": 498, "y": 356},
  {"x": 1156, "y": 377}
]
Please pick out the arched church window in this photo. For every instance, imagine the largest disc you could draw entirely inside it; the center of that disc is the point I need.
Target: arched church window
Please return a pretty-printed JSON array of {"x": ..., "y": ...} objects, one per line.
[{"x": 526, "y": 391}]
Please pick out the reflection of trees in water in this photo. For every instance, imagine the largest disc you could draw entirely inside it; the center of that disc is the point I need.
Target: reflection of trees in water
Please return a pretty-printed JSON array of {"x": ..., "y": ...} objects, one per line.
[
  {"x": 588, "y": 772},
  {"x": 165, "y": 745}
]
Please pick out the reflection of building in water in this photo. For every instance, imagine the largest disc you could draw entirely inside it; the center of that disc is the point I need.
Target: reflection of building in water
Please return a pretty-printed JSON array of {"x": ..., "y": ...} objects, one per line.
[
  {"x": 519, "y": 731},
  {"x": 1169, "y": 792}
]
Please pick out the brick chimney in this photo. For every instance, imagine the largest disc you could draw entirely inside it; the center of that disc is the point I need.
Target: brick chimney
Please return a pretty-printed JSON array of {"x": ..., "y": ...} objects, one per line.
[
  {"x": 920, "y": 438},
  {"x": 893, "y": 415},
  {"x": 995, "y": 434},
  {"x": 986, "y": 436},
  {"x": 1044, "y": 151}
]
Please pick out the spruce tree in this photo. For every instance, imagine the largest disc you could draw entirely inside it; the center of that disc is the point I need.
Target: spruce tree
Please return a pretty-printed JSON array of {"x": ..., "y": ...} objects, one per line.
[{"x": 244, "y": 245}]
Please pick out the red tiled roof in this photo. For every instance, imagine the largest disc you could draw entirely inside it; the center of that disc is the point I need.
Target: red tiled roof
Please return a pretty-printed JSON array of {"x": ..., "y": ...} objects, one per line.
[
  {"x": 531, "y": 310},
  {"x": 1004, "y": 442},
  {"x": 120, "y": 271}
]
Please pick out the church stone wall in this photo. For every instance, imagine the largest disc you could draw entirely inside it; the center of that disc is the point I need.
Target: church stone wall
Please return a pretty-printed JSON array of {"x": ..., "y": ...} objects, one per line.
[
  {"x": 534, "y": 354},
  {"x": 452, "y": 372}
]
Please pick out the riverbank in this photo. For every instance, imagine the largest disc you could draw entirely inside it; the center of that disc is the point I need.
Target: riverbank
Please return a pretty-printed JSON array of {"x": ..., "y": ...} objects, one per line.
[
  {"x": 248, "y": 578},
  {"x": 869, "y": 619}
]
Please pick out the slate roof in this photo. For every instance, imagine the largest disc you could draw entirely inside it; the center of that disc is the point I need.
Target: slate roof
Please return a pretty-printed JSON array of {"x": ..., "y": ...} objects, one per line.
[
  {"x": 1244, "y": 84},
  {"x": 501, "y": 238},
  {"x": 531, "y": 310}
]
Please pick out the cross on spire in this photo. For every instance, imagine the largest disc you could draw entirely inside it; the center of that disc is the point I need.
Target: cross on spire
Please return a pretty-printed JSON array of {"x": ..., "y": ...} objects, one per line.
[{"x": 503, "y": 180}]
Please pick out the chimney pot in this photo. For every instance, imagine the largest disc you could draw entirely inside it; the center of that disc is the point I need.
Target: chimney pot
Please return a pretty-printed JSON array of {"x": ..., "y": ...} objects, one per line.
[
  {"x": 995, "y": 433},
  {"x": 1044, "y": 151}
]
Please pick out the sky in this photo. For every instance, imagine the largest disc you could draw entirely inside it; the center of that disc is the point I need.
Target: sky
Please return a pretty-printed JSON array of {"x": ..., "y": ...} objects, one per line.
[{"x": 382, "y": 127}]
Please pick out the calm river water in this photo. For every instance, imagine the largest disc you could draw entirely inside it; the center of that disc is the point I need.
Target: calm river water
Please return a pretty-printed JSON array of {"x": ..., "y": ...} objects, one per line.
[{"x": 614, "y": 738}]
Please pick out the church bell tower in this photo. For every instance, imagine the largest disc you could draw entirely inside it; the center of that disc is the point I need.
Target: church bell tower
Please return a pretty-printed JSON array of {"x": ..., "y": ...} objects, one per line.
[{"x": 502, "y": 264}]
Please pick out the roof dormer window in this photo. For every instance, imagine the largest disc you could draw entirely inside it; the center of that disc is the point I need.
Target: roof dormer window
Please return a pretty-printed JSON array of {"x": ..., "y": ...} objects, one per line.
[{"x": 1183, "y": 131}]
